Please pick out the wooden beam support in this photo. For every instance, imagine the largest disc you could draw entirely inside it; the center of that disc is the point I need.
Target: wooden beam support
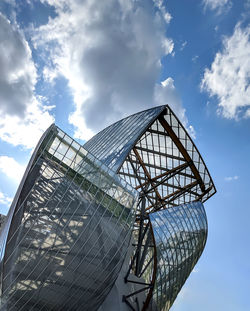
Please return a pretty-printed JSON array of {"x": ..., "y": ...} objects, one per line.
[
  {"x": 146, "y": 173},
  {"x": 171, "y": 172},
  {"x": 175, "y": 194},
  {"x": 182, "y": 150},
  {"x": 161, "y": 154},
  {"x": 180, "y": 190},
  {"x": 139, "y": 180},
  {"x": 165, "y": 169},
  {"x": 157, "y": 132}
]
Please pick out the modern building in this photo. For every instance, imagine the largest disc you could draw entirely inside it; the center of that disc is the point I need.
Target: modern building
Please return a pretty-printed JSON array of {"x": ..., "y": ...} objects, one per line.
[
  {"x": 115, "y": 224},
  {"x": 2, "y": 220}
]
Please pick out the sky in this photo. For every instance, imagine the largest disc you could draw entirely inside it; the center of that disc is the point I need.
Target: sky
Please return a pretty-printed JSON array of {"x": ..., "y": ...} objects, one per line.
[{"x": 85, "y": 64}]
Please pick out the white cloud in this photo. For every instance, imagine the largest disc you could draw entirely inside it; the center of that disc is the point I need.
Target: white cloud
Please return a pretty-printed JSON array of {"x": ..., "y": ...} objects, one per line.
[
  {"x": 247, "y": 113},
  {"x": 229, "y": 76},
  {"x": 166, "y": 15},
  {"x": 231, "y": 178},
  {"x": 168, "y": 45},
  {"x": 11, "y": 168},
  {"x": 5, "y": 201},
  {"x": 18, "y": 73},
  {"x": 110, "y": 54},
  {"x": 23, "y": 118},
  {"x": 183, "y": 45},
  {"x": 220, "y": 6},
  {"x": 165, "y": 93},
  {"x": 195, "y": 58},
  {"x": 191, "y": 131},
  {"x": 25, "y": 131},
  {"x": 195, "y": 270}
]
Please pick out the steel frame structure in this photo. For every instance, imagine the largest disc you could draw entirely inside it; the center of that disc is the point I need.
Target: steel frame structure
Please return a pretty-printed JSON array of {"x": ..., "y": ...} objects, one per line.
[
  {"x": 163, "y": 164},
  {"x": 70, "y": 192}
]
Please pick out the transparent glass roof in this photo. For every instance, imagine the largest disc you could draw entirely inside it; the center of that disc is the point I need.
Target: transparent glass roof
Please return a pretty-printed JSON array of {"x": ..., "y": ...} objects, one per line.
[
  {"x": 154, "y": 153},
  {"x": 112, "y": 145}
]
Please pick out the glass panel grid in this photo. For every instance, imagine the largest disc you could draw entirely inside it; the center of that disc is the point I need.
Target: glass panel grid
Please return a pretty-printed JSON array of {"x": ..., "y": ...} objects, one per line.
[
  {"x": 75, "y": 195},
  {"x": 180, "y": 234},
  {"x": 112, "y": 145},
  {"x": 73, "y": 234}
]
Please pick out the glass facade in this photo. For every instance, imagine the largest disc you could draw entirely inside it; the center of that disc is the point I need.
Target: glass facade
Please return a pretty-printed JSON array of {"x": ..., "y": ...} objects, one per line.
[
  {"x": 113, "y": 144},
  {"x": 180, "y": 234},
  {"x": 162, "y": 143},
  {"x": 154, "y": 153},
  {"x": 69, "y": 232},
  {"x": 134, "y": 190}
]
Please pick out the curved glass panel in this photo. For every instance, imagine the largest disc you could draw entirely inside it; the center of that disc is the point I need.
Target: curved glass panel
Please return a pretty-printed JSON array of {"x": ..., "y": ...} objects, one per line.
[
  {"x": 69, "y": 233},
  {"x": 113, "y": 144},
  {"x": 69, "y": 226},
  {"x": 153, "y": 147},
  {"x": 178, "y": 130},
  {"x": 153, "y": 152},
  {"x": 180, "y": 234}
]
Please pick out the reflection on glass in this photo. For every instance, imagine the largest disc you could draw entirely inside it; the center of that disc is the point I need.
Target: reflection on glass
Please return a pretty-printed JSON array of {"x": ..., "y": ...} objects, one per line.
[
  {"x": 180, "y": 234},
  {"x": 70, "y": 231}
]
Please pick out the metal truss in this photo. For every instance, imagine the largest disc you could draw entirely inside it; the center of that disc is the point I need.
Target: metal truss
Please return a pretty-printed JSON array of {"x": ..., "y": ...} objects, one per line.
[
  {"x": 70, "y": 224},
  {"x": 166, "y": 168}
]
